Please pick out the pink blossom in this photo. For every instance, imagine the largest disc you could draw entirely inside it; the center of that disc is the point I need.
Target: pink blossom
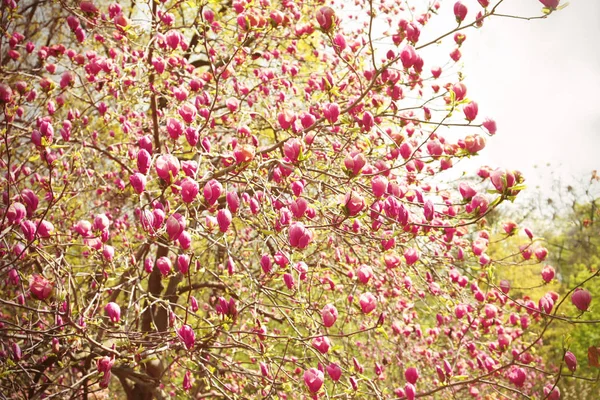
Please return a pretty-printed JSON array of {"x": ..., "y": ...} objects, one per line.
[
  {"x": 326, "y": 18},
  {"x": 548, "y": 273},
  {"x": 45, "y": 229},
  {"x": 40, "y": 287},
  {"x": 299, "y": 236},
  {"x": 331, "y": 112},
  {"x": 88, "y": 7},
  {"x": 243, "y": 153},
  {"x": 571, "y": 361},
  {"x": 187, "y": 336},
  {"x": 288, "y": 279},
  {"x": 183, "y": 263},
  {"x": 334, "y": 372},
  {"x": 355, "y": 163},
  {"x": 167, "y": 167},
  {"x": 212, "y": 191},
  {"x": 411, "y": 256},
  {"x": 189, "y": 190},
  {"x": 551, "y": 392},
  {"x": 364, "y": 273},
  {"x": 470, "y": 111},
  {"x": 581, "y": 299},
  {"x": 460, "y": 11},
  {"x": 474, "y": 143},
  {"x": 113, "y": 311},
  {"x": 460, "y": 91},
  {"x": 313, "y": 379},
  {"x": 354, "y": 203},
  {"x": 379, "y": 185},
  {"x": 138, "y": 182},
  {"x": 175, "y": 225},
  {"x": 15, "y": 213},
  {"x": 551, "y": 4},
  {"x": 322, "y": 344},
  {"x": 541, "y": 253},
  {"x": 490, "y": 126},
  {"x": 411, "y": 374},
  {"x": 224, "y": 219},
  {"x": 164, "y": 265},
  {"x": 174, "y": 128},
  {"x": 368, "y": 302},
  {"x": 329, "y": 315},
  {"x": 108, "y": 252},
  {"x": 293, "y": 149},
  {"x": 232, "y": 104}
]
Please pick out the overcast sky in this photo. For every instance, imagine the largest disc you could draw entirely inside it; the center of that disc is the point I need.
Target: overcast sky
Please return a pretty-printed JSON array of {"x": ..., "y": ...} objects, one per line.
[{"x": 539, "y": 79}]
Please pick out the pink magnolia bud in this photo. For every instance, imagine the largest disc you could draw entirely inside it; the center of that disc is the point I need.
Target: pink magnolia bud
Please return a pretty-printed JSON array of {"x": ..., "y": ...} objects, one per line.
[
  {"x": 470, "y": 111},
  {"x": 113, "y": 311},
  {"x": 31, "y": 201},
  {"x": 460, "y": 91},
  {"x": 379, "y": 185},
  {"x": 541, "y": 253},
  {"x": 194, "y": 304},
  {"x": 187, "y": 336},
  {"x": 143, "y": 161},
  {"x": 108, "y": 252},
  {"x": 412, "y": 375},
  {"x": 548, "y": 273},
  {"x": 484, "y": 3},
  {"x": 183, "y": 263},
  {"x": 410, "y": 391},
  {"x": 408, "y": 56},
  {"x": 326, "y": 18},
  {"x": 354, "y": 203},
  {"x": 138, "y": 182},
  {"x": 164, "y": 265},
  {"x": 460, "y": 11},
  {"x": 175, "y": 226},
  {"x": 581, "y": 299},
  {"x": 104, "y": 364},
  {"x": 5, "y": 94},
  {"x": 505, "y": 286},
  {"x": 299, "y": 236},
  {"x": 517, "y": 376},
  {"x": 364, "y": 273},
  {"x": 411, "y": 256},
  {"x": 40, "y": 287},
  {"x": 322, "y": 344},
  {"x": 28, "y": 229},
  {"x": 551, "y": 392},
  {"x": 174, "y": 128},
  {"x": 189, "y": 190},
  {"x": 490, "y": 126},
  {"x": 339, "y": 42},
  {"x": 233, "y": 201},
  {"x": 167, "y": 167},
  {"x": 288, "y": 279},
  {"x": 265, "y": 264},
  {"x": 368, "y": 302},
  {"x": 355, "y": 163},
  {"x": 329, "y": 315},
  {"x": 331, "y": 112},
  {"x": 334, "y": 372},
  {"x": 224, "y": 219},
  {"x": 45, "y": 229},
  {"x": 184, "y": 240},
  {"x": 313, "y": 379},
  {"x": 551, "y": 4},
  {"x": 571, "y": 361},
  {"x": 212, "y": 191},
  {"x": 88, "y": 7},
  {"x": 293, "y": 149},
  {"x": 187, "y": 381},
  {"x": 15, "y": 213}
]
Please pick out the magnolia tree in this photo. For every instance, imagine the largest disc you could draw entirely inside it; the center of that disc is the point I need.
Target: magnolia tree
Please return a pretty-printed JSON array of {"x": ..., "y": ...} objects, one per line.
[{"x": 249, "y": 199}]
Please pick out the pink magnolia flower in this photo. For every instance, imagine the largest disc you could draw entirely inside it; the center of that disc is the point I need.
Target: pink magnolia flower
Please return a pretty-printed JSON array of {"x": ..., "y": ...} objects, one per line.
[
  {"x": 189, "y": 190},
  {"x": 175, "y": 226},
  {"x": 45, "y": 229},
  {"x": 104, "y": 364},
  {"x": 548, "y": 273},
  {"x": 113, "y": 311},
  {"x": 288, "y": 279},
  {"x": 364, "y": 273},
  {"x": 224, "y": 219},
  {"x": 174, "y": 128},
  {"x": 293, "y": 149},
  {"x": 28, "y": 229},
  {"x": 138, "y": 182},
  {"x": 167, "y": 167},
  {"x": 164, "y": 265},
  {"x": 329, "y": 315},
  {"x": 551, "y": 392},
  {"x": 354, "y": 203},
  {"x": 571, "y": 361},
  {"x": 368, "y": 302},
  {"x": 517, "y": 376},
  {"x": 322, "y": 344},
  {"x": 474, "y": 143},
  {"x": 299, "y": 236},
  {"x": 541, "y": 253},
  {"x": 313, "y": 379},
  {"x": 183, "y": 263},
  {"x": 212, "y": 191},
  {"x": 326, "y": 18},
  {"x": 331, "y": 112},
  {"x": 286, "y": 119},
  {"x": 484, "y": 3},
  {"x": 460, "y": 11},
  {"x": 581, "y": 299},
  {"x": 490, "y": 126},
  {"x": 187, "y": 336},
  {"x": 40, "y": 287},
  {"x": 504, "y": 286},
  {"x": 108, "y": 252},
  {"x": 470, "y": 111},
  {"x": 15, "y": 213},
  {"x": 187, "y": 381},
  {"x": 243, "y": 153},
  {"x": 551, "y": 4},
  {"x": 379, "y": 185},
  {"x": 411, "y": 256},
  {"x": 410, "y": 391},
  {"x": 355, "y": 163},
  {"x": 334, "y": 371},
  {"x": 460, "y": 91},
  {"x": 143, "y": 161},
  {"x": 412, "y": 375}
]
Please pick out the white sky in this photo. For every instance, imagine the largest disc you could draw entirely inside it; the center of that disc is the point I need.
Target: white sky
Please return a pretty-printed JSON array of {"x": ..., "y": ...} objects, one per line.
[{"x": 539, "y": 80}]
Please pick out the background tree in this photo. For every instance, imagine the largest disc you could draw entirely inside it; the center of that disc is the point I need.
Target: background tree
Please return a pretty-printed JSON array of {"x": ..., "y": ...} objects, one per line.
[{"x": 249, "y": 200}]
